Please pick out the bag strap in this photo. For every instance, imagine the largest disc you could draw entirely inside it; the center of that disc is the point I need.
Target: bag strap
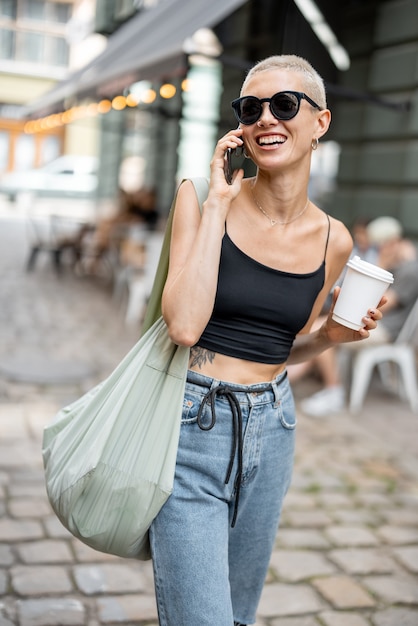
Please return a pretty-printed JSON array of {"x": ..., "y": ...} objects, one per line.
[{"x": 153, "y": 310}]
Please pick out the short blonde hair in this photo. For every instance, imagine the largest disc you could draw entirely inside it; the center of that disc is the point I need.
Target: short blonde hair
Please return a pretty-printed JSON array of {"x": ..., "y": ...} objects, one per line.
[{"x": 313, "y": 82}]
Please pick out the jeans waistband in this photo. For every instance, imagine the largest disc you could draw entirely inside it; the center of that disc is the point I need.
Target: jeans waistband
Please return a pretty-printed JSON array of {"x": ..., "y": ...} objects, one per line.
[
  {"x": 217, "y": 388},
  {"x": 206, "y": 381}
]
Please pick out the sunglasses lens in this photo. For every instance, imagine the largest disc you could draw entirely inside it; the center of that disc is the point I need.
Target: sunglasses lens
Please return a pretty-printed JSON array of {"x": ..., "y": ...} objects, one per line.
[
  {"x": 249, "y": 110},
  {"x": 284, "y": 106}
]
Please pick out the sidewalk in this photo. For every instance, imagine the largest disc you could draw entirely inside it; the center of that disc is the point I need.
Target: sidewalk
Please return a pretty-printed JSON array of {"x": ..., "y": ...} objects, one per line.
[{"x": 347, "y": 551}]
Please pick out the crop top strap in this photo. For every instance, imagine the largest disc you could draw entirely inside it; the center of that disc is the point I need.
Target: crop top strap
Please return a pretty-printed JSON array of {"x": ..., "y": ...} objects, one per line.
[{"x": 326, "y": 243}]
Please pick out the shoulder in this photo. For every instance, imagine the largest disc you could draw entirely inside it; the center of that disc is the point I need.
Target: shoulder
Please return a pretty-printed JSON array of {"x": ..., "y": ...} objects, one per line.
[
  {"x": 340, "y": 239},
  {"x": 187, "y": 211}
]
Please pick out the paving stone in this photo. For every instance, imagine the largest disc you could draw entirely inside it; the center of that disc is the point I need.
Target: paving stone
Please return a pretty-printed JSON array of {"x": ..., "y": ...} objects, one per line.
[
  {"x": 3, "y": 582},
  {"x": 357, "y": 517},
  {"x": 47, "y": 551},
  {"x": 408, "y": 557},
  {"x": 343, "y": 592},
  {"x": 280, "y": 599},
  {"x": 371, "y": 500},
  {"x": 351, "y": 536},
  {"x": 297, "y": 565},
  {"x": 394, "y": 616},
  {"x": 33, "y": 489},
  {"x": 51, "y": 612},
  {"x": 400, "y": 517},
  {"x": 19, "y": 454},
  {"x": 109, "y": 578},
  {"x": 394, "y": 589},
  {"x": 335, "y": 500},
  {"x": 38, "y": 580},
  {"x": 296, "y": 500},
  {"x": 396, "y": 535},
  {"x": 126, "y": 609},
  {"x": 334, "y": 618},
  {"x": 12, "y": 422},
  {"x": 298, "y": 538},
  {"x": 295, "y": 621},
  {"x": 405, "y": 499},
  {"x": 29, "y": 507},
  {"x": 16, "y": 530},
  {"x": 26, "y": 474},
  {"x": 6, "y": 555},
  {"x": 308, "y": 519},
  {"x": 316, "y": 481},
  {"x": 85, "y": 554},
  {"x": 363, "y": 561},
  {"x": 55, "y": 529}
]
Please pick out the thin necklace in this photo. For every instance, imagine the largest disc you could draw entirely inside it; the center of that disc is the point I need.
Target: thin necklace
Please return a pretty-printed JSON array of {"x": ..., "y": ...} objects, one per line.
[{"x": 274, "y": 222}]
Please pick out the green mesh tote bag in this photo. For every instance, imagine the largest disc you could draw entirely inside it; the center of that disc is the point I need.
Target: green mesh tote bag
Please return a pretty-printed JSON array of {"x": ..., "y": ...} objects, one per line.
[{"x": 110, "y": 456}]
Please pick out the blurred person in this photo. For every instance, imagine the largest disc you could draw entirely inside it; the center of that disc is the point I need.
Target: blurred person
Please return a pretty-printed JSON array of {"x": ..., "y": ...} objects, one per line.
[
  {"x": 247, "y": 278},
  {"x": 362, "y": 246},
  {"x": 136, "y": 213},
  {"x": 399, "y": 256}
]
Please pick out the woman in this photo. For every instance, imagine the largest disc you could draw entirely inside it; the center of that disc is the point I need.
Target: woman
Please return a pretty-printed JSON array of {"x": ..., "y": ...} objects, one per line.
[{"x": 245, "y": 278}]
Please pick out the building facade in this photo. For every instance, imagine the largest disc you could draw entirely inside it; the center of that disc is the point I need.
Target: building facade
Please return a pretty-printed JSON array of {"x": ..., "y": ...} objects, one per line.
[{"x": 372, "y": 145}]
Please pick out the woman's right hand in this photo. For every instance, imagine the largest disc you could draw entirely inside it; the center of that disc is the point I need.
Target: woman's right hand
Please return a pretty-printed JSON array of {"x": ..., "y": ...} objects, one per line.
[{"x": 218, "y": 184}]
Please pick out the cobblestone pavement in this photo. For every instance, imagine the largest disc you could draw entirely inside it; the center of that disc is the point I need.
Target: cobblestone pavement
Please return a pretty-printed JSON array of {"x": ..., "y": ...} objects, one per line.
[{"x": 347, "y": 551}]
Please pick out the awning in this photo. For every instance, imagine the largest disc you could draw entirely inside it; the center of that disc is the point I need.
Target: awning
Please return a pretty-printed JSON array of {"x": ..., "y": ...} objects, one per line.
[{"x": 149, "y": 45}]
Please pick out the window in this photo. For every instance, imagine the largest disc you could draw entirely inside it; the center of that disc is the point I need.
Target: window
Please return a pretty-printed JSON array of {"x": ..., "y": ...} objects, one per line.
[
  {"x": 58, "y": 50},
  {"x": 7, "y": 43},
  {"x": 30, "y": 47},
  {"x": 40, "y": 11},
  {"x": 8, "y": 9},
  {"x": 33, "y": 31},
  {"x": 33, "y": 10}
]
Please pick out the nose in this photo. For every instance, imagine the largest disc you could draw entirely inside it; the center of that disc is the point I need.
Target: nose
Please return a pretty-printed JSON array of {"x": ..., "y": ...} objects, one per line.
[{"x": 266, "y": 116}]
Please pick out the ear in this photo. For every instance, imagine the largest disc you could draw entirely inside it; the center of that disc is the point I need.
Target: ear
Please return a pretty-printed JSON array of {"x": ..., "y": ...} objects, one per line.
[{"x": 323, "y": 122}]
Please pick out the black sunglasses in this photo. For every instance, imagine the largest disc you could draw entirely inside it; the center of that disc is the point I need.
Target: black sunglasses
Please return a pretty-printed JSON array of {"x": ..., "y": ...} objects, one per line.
[{"x": 283, "y": 105}]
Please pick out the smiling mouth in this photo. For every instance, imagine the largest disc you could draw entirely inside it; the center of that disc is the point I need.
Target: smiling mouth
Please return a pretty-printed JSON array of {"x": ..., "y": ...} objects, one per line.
[{"x": 270, "y": 140}]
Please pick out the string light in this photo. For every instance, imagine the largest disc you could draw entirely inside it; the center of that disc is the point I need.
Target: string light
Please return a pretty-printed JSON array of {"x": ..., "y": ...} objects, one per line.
[
  {"x": 104, "y": 106},
  {"x": 118, "y": 103},
  {"x": 167, "y": 91}
]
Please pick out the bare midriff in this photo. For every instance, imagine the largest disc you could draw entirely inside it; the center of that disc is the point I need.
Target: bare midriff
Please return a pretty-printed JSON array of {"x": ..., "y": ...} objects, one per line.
[{"x": 231, "y": 369}]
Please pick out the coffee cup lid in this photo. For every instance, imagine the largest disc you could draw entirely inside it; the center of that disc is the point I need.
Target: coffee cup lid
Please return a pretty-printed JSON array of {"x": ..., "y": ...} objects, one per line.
[{"x": 364, "y": 267}]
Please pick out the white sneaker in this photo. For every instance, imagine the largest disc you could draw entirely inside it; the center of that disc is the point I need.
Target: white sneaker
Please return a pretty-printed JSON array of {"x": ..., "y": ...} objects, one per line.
[{"x": 324, "y": 402}]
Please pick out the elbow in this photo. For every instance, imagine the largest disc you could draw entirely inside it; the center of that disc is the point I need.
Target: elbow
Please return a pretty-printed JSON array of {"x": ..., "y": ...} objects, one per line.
[{"x": 182, "y": 335}]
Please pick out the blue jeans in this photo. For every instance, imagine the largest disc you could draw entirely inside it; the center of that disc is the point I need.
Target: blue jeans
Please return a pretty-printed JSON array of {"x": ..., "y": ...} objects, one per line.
[{"x": 210, "y": 552}]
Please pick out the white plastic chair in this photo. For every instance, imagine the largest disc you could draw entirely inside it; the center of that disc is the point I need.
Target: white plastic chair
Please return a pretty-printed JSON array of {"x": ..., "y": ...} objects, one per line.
[{"x": 401, "y": 352}]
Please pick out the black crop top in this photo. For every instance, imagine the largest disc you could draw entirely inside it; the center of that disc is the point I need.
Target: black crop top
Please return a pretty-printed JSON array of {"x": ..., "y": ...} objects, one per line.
[{"x": 259, "y": 310}]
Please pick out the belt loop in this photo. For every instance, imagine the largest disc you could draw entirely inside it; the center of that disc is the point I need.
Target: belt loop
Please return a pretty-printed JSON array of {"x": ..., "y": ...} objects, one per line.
[{"x": 275, "y": 385}]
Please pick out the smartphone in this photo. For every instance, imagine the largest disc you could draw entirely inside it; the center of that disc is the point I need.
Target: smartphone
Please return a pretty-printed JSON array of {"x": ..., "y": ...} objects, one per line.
[{"x": 230, "y": 163}]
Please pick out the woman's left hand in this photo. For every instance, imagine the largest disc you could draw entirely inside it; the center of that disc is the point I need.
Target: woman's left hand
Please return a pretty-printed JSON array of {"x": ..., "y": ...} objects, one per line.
[{"x": 337, "y": 333}]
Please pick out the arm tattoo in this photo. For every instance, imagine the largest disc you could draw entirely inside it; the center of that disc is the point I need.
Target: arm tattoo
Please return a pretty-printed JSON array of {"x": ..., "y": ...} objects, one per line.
[{"x": 200, "y": 356}]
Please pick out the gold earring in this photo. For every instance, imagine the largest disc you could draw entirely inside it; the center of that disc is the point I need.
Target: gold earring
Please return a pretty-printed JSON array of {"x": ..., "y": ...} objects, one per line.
[{"x": 314, "y": 143}]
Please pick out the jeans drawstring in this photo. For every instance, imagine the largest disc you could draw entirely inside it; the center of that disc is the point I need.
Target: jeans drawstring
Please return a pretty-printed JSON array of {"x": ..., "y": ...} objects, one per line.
[{"x": 237, "y": 438}]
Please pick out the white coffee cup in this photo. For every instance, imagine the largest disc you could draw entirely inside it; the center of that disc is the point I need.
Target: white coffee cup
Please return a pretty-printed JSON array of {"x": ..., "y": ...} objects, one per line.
[{"x": 363, "y": 286}]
